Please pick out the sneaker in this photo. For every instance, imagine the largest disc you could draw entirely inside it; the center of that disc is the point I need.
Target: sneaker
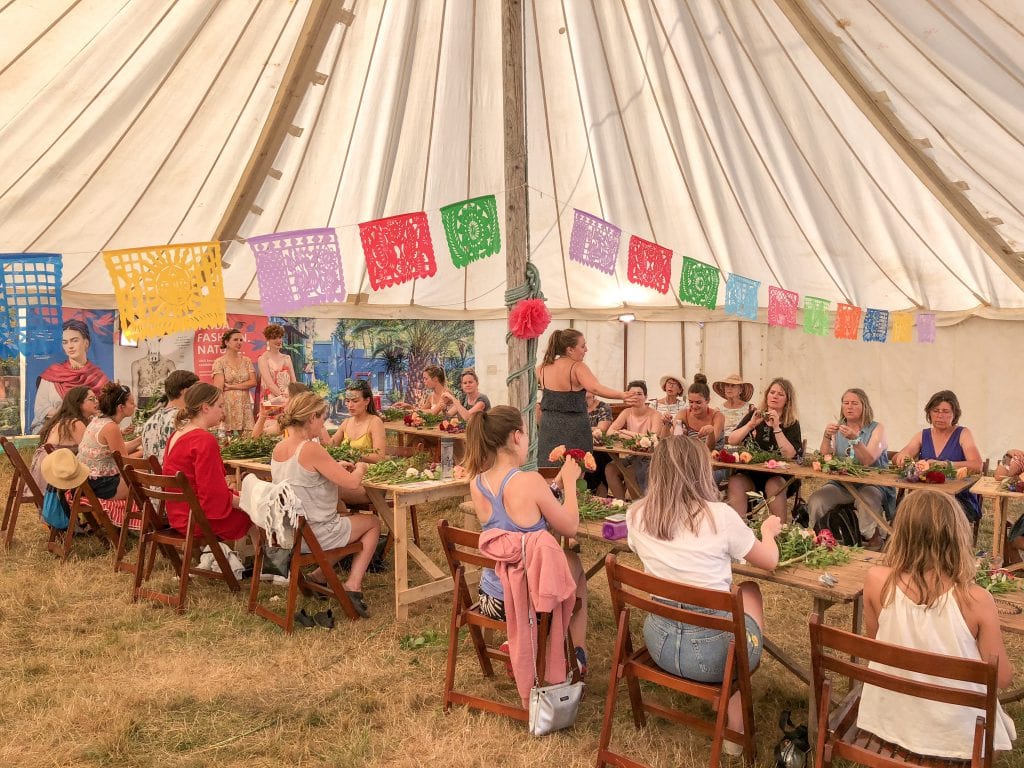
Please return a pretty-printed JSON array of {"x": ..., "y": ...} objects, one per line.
[{"x": 279, "y": 581}]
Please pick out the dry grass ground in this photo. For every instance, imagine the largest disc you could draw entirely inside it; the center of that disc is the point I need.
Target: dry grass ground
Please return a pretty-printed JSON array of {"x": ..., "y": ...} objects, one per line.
[{"x": 89, "y": 679}]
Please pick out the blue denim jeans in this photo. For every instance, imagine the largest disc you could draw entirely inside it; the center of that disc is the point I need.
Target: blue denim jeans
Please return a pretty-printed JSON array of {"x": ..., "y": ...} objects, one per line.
[{"x": 693, "y": 652}]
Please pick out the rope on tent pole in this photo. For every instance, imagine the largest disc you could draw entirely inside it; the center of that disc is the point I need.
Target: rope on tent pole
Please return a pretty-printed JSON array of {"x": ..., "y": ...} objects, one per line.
[{"x": 530, "y": 289}]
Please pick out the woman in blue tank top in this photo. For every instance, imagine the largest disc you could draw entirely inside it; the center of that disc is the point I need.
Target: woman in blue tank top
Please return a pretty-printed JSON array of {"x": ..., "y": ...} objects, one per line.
[{"x": 507, "y": 498}]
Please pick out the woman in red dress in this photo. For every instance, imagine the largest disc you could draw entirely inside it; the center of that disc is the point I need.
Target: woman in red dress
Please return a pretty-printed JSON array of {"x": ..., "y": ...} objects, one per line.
[{"x": 194, "y": 451}]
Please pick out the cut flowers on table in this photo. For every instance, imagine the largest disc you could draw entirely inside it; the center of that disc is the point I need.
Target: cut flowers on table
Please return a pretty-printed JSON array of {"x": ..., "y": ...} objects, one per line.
[
  {"x": 411, "y": 470},
  {"x": 598, "y": 507},
  {"x": 1012, "y": 484},
  {"x": 643, "y": 443},
  {"x": 835, "y": 465},
  {"x": 934, "y": 472},
  {"x": 802, "y": 545},
  {"x": 585, "y": 459},
  {"x": 996, "y": 580}
]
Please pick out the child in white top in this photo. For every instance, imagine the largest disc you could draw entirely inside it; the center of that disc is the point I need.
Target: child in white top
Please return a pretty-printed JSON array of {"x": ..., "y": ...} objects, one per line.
[{"x": 925, "y": 598}]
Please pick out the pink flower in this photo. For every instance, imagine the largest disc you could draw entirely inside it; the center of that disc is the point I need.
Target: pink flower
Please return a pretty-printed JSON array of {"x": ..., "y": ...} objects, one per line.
[
  {"x": 816, "y": 466},
  {"x": 771, "y": 463},
  {"x": 528, "y": 319},
  {"x": 557, "y": 454},
  {"x": 923, "y": 465},
  {"x": 961, "y": 473},
  {"x": 589, "y": 463}
]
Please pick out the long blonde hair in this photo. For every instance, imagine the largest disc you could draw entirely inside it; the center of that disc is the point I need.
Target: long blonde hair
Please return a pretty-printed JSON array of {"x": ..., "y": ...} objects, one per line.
[
  {"x": 300, "y": 409},
  {"x": 788, "y": 415},
  {"x": 680, "y": 485},
  {"x": 487, "y": 433},
  {"x": 930, "y": 539}
]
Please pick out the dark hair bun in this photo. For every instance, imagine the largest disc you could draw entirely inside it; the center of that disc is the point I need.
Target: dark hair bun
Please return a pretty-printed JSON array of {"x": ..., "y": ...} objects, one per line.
[{"x": 700, "y": 378}]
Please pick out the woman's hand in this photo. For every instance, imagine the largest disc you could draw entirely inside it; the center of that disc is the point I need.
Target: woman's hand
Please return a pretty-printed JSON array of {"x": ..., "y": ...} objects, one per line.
[
  {"x": 707, "y": 429},
  {"x": 666, "y": 418},
  {"x": 771, "y": 527},
  {"x": 632, "y": 398},
  {"x": 830, "y": 430},
  {"x": 596, "y": 433},
  {"x": 849, "y": 432},
  {"x": 771, "y": 418},
  {"x": 569, "y": 474},
  {"x": 360, "y": 468}
]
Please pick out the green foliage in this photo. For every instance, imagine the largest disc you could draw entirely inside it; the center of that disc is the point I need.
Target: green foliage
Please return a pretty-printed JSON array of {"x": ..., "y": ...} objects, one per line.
[
  {"x": 321, "y": 388},
  {"x": 426, "y": 639},
  {"x": 396, "y": 470},
  {"x": 998, "y": 581},
  {"x": 344, "y": 452},
  {"x": 392, "y": 414},
  {"x": 249, "y": 447}
]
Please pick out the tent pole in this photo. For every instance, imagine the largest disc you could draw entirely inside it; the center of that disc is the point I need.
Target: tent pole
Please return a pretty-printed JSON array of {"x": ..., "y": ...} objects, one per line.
[{"x": 516, "y": 200}]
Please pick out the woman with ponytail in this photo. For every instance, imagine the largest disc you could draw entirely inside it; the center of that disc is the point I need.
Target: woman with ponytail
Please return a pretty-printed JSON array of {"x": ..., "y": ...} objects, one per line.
[
  {"x": 509, "y": 499},
  {"x": 564, "y": 382},
  {"x": 193, "y": 450}
]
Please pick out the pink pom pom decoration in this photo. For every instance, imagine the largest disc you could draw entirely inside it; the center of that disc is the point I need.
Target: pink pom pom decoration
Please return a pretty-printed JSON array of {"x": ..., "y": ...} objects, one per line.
[{"x": 528, "y": 319}]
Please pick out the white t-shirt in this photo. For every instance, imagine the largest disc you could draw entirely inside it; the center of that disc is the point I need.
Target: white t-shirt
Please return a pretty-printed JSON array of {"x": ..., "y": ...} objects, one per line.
[{"x": 702, "y": 560}]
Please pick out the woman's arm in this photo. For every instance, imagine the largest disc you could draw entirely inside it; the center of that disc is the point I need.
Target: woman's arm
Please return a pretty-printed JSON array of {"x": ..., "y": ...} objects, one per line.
[
  {"x": 266, "y": 378},
  {"x": 990, "y": 638},
  {"x": 458, "y": 409},
  {"x": 874, "y": 581},
  {"x": 714, "y": 430},
  {"x": 765, "y": 552},
  {"x": 315, "y": 457},
  {"x": 380, "y": 441},
  {"x": 868, "y": 453},
  {"x": 909, "y": 451},
  {"x": 339, "y": 434},
  {"x": 564, "y": 518},
  {"x": 78, "y": 431},
  {"x": 589, "y": 382},
  {"x": 250, "y": 382},
  {"x": 116, "y": 442},
  {"x": 744, "y": 430},
  {"x": 620, "y": 421},
  {"x": 972, "y": 456}
]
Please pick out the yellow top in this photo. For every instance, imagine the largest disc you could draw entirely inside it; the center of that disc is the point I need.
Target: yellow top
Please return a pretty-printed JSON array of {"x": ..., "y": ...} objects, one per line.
[{"x": 363, "y": 443}]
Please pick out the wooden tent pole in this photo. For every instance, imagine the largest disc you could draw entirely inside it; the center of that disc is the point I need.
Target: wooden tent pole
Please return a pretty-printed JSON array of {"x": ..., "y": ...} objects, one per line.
[
  {"x": 516, "y": 200},
  {"x": 824, "y": 45}
]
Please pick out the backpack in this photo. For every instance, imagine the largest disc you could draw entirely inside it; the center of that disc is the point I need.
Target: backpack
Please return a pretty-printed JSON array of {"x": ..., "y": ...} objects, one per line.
[
  {"x": 841, "y": 520},
  {"x": 55, "y": 511}
]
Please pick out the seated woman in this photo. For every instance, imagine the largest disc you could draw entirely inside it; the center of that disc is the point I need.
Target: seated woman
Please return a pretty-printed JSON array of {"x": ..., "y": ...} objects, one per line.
[
  {"x": 600, "y": 417},
  {"x": 683, "y": 533},
  {"x": 103, "y": 436},
  {"x": 736, "y": 393},
  {"x": 925, "y": 598},
  {"x": 193, "y": 450},
  {"x": 698, "y": 419},
  {"x": 859, "y": 437},
  {"x": 772, "y": 427},
  {"x": 510, "y": 499},
  {"x": 316, "y": 477},
  {"x": 363, "y": 430},
  {"x": 1012, "y": 466},
  {"x": 65, "y": 428},
  {"x": 160, "y": 426},
  {"x": 471, "y": 400},
  {"x": 945, "y": 441},
  {"x": 266, "y": 421},
  {"x": 671, "y": 403},
  {"x": 436, "y": 398},
  {"x": 639, "y": 419}
]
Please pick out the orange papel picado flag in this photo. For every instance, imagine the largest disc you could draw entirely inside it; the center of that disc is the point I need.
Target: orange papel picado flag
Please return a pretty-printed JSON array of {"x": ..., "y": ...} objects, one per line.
[{"x": 165, "y": 289}]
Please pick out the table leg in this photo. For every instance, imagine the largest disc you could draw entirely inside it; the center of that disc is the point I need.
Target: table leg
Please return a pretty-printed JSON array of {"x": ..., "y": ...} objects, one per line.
[
  {"x": 999, "y": 529},
  {"x": 395, "y": 519}
]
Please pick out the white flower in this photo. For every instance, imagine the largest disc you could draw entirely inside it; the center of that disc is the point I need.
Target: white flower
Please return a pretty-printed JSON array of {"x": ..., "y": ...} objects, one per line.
[
  {"x": 645, "y": 442},
  {"x": 618, "y": 503},
  {"x": 412, "y": 472}
]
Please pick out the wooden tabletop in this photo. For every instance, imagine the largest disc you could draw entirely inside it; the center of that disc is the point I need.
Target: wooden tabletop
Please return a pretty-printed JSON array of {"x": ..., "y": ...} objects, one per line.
[
  {"x": 1011, "y": 611},
  {"x": 452, "y": 485},
  {"x": 432, "y": 432},
  {"x": 989, "y": 487},
  {"x": 850, "y": 576},
  {"x": 619, "y": 450},
  {"x": 791, "y": 468}
]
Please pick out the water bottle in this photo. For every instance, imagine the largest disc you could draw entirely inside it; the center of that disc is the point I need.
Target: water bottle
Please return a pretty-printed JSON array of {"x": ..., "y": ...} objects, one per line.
[{"x": 447, "y": 458}]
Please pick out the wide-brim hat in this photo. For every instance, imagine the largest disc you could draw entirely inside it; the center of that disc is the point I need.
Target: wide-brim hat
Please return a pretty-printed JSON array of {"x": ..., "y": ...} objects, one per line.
[
  {"x": 677, "y": 379},
  {"x": 63, "y": 470},
  {"x": 746, "y": 391}
]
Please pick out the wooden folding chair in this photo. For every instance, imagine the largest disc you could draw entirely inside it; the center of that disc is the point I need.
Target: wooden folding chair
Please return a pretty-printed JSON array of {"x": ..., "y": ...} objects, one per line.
[
  {"x": 87, "y": 510},
  {"x": 133, "y": 508},
  {"x": 297, "y": 580},
  {"x": 461, "y": 549},
  {"x": 838, "y": 734},
  {"x": 23, "y": 490},
  {"x": 155, "y": 534},
  {"x": 633, "y": 665}
]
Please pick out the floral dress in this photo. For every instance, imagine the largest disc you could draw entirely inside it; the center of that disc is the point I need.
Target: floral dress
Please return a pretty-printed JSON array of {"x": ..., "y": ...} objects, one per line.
[{"x": 237, "y": 402}]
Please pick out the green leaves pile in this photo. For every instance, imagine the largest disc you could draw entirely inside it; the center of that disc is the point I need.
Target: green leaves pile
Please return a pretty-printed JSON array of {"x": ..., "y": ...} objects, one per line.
[
  {"x": 431, "y": 419},
  {"x": 392, "y": 414},
  {"x": 344, "y": 452},
  {"x": 395, "y": 470},
  {"x": 597, "y": 508},
  {"x": 759, "y": 455},
  {"x": 801, "y": 545},
  {"x": 837, "y": 465},
  {"x": 250, "y": 447}
]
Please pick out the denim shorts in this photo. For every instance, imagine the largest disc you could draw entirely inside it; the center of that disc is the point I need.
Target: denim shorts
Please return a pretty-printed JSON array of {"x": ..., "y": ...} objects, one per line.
[{"x": 693, "y": 652}]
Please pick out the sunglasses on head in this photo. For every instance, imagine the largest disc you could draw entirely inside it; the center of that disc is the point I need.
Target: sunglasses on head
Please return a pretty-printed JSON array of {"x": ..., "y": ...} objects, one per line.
[{"x": 122, "y": 398}]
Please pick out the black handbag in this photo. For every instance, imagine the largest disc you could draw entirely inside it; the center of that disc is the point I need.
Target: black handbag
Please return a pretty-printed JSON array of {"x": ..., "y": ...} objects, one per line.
[{"x": 842, "y": 521}]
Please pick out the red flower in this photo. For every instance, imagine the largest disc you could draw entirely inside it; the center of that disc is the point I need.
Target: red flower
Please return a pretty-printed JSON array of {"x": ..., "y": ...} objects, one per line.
[
  {"x": 528, "y": 319},
  {"x": 725, "y": 457},
  {"x": 407, "y": 419},
  {"x": 576, "y": 455},
  {"x": 825, "y": 539},
  {"x": 934, "y": 476}
]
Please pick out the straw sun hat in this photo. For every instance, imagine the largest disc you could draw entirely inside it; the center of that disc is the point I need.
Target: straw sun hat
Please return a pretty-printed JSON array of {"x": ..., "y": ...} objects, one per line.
[
  {"x": 677, "y": 379},
  {"x": 746, "y": 392},
  {"x": 63, "y": 470}
]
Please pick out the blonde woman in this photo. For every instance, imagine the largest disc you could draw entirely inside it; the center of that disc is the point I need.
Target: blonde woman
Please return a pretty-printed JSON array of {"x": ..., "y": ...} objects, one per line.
[
  {"x": 317, "y": 480},
  {"x": 682, "y": 533}
]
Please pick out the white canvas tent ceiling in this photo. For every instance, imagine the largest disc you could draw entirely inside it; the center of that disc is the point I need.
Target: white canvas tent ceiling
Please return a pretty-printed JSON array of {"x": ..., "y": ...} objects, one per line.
[{"x": 708, "y": 126}]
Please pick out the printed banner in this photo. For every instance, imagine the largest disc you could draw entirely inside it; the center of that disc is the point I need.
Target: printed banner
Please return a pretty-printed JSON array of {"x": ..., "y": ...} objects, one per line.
[
  {"x": 902, "y": 327},
  {"x": 397, "y": 249},
  {"x": 926, "y": 328},
  {"x": 87, "y": 359},
  {"x": 698, "y": 283},
  {"x": 471, "y": 229},
  {"x": 298, "y": 269},
  {"x": 816, "y": 316},
  {"x": 164, "y": 289},
  {"x": 876, "y": 325},
  {"x": 146, "y": 366},
  {"x": 30, "y": 304},
  {"x": 782, "y": 307},
  {"x": 847, "y": 321},
  {"x": 741, "y": 296},
  {"x": 649, "y": 264},
  {"x": 594, "y": 242},
  {"x": 206, "y": 345}
]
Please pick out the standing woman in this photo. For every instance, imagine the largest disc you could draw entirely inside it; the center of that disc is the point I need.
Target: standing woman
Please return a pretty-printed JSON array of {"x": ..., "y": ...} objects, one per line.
[
  {"x": 859, "y": 437},
  {"x": 103, "y": 436},
  {"x": 234, "y": 375},
  {"x": 471, "y": 400},
  {"x": 564, "y": 381},
  {"x": 193, "y": 451},
  {"x": 276, "y": 369},
  {"x": 772, "y": 427},
  {"x": 699, "y": 420},
  {"x": 363, "y": 430},
  {"x": 946, "y": 441}
]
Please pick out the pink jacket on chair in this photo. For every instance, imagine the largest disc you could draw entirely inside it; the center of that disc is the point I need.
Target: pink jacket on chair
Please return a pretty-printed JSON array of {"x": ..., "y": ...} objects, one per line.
[{"x": 551, "y": 588}]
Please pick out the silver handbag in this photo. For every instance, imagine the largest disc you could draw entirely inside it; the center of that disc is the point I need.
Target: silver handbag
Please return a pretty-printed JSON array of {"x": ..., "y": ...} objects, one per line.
[{"x": 552, "y": 707}]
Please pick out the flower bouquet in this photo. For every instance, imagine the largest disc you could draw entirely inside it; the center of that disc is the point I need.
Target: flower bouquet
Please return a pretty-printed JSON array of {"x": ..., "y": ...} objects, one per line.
[
  {"x": 759, "y": 455},
  {"x": 584, "y": 458},
  {"x": 995, "y": 580},
  {"x": 815, "y": 550},
  {"x": 731, "y": 457},
  {"x": 934, "y": 472},
  {"x": 836, "y": 465},
  {"x": 344, "y": 452},
  {"x": 1012, "y": 484},
  {"x": 452, "y": 426},
  {"x": 644, "y": 443}
]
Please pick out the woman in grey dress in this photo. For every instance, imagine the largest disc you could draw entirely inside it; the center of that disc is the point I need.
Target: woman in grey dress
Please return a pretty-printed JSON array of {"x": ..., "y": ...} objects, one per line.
[{"x": 564, "y": 381}]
